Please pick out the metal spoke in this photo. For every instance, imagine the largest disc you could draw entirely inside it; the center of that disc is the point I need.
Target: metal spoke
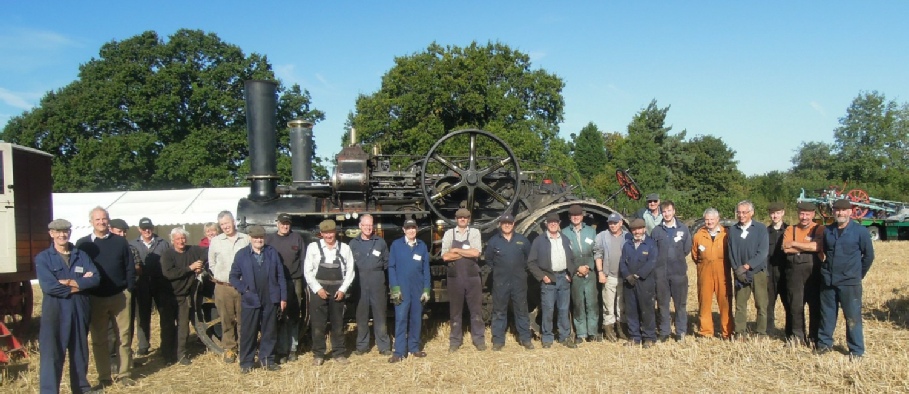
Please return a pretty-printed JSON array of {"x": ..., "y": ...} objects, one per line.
[
  {"x": 446, "y": 191},
  {"x": 446, "y": 163},
  {"x": 494, "y": 194},
  {"x": 495, "y": 167}
]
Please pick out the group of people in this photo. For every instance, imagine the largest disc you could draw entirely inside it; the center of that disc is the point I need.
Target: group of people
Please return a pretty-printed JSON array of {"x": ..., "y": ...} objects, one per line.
[{"x": 103, "y": 284}]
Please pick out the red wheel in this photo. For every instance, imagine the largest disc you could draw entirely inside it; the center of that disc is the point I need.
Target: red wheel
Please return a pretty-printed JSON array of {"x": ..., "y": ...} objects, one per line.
[
  {"x": 629, "y": 186},
  {"x": 858, "y": 195},
  {"x": 16, "y": 305}
]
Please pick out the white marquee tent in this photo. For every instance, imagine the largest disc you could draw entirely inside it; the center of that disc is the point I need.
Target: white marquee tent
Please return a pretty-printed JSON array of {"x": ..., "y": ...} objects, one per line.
[{"x": 163, "y": 207}]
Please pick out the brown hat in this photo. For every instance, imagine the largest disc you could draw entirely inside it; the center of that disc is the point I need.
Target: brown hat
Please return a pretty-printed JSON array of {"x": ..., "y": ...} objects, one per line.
[
  {"x": 775, "y": 207},
  {"x": 327, "y": 225},
  {"x": 842, "y": 204},
  {"x": 575, "y": 210},
  {"x": 256, "y": 231},
  {"x": 60, "y": 225},
  {"x": 553, "y": 217},
  {"x": 805, "y": 206},
  {"x": 637, "y": 223},
  {"x": 462, "y": 213}
]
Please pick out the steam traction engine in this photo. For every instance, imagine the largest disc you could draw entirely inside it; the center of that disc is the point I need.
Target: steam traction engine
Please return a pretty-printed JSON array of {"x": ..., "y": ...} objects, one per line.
[{"x": 471, "y": 169}]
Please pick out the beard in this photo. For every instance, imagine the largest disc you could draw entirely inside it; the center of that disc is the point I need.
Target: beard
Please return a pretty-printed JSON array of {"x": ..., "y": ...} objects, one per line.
[
  {"x": 638, "y": 237},
  {"x": 842, "y": 219}
]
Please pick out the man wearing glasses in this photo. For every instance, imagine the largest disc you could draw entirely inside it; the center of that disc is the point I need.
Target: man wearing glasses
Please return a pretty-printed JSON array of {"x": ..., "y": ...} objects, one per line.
[
  {"x": 652, "y": 214},
  {"x": 370, "y": 255},
  {"x": 461, "y": 248},
  {"x": 747, "y": 251}
]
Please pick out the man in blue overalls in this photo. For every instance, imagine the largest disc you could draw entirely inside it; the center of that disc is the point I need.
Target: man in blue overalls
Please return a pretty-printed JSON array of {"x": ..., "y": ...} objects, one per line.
[
  {"x": 639, "y": 256},
  {"x": 371, "y": 259},
  {"x": 408, "y": 276},
  {"x": 63, "y": 273},
  {"x": 507, "y": 253},
  {"x": 461, "y": 248}
]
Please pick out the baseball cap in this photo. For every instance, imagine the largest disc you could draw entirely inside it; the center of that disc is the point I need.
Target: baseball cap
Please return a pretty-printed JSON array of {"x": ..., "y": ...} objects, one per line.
[
  {"x": 283, "y": 217},
  {"x": 653, "y": 197},
  {"x": 146, "y": 223},
  {"x": 506, "y": 218},
  {"x": 410, "y": 223},
  {"x": 614, "y": 218}
]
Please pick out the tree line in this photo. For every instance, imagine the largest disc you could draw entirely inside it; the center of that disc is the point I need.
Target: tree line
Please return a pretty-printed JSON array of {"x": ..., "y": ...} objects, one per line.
[{"x": 150, "y": 113}]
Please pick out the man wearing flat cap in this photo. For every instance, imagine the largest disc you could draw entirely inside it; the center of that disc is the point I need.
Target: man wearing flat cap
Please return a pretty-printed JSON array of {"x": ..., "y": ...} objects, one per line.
[
  {"x": 776, "y": 263},
  {"x": 583, "y": 281},
  {"x": 461, "y": 248},
  {"x": 506, "y": 253},
  {"x": 803, "y": 245},
  {"x": 651, "y": 214},
  {"x": 639, "y": 255},
  {"x": 291, "y": 248},
  {"x": 409, "y": 278},
  {"x": 607, "y": 254},
  {"x": 258, "y": 275},
  {"x": 64, "y": 274},
  {"x": 151, "y": 286},
  {"x": 329, "y": 271},
  {"x": 551, "y": 262},
  {"x": 848, "y": 254}
]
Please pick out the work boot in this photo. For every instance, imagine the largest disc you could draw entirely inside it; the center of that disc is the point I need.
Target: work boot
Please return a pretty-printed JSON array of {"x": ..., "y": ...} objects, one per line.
[
  {"x": 621, "y": 329},
  {"x": 498, "y": 347},
  {"x": 648, "y": 344},
  {"x": 527, "y": 345},
  {"x": 609, "y": 332},
  {"x": 569, "y": 344}
]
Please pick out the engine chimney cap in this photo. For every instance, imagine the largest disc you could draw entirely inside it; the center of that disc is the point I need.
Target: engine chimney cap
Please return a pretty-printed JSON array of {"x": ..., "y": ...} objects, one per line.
[{"x": 300, "y": 123}]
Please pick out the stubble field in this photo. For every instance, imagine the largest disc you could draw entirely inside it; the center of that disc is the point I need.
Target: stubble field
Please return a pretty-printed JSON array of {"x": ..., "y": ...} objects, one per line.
[{"x": 697, "y": 365}]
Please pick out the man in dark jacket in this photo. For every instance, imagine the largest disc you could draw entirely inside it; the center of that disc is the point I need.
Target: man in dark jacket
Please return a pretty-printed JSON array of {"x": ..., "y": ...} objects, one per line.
[
  {"x": 180, "y": 265},
  {"x": 151, "y": 285},
  {"x": 291, "y": 248},
  {"x": 747, "y": 252},
  {"x": 551, "y": 262},
  {"x": 506, "y": 253},
  {"x": 848, "y": 256},
  {"x": 258, "y": 275},
  {"x": 776, "y": 263},
  {"x": 673, "y": 241},
  {"x": 639, "y": 256}
]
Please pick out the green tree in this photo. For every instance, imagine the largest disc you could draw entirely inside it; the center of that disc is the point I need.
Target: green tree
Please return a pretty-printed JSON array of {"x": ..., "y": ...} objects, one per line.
[
  {"x": 154, "y": 114},
  {"x": 649, "y": 151},
  {"x": 589, "y": 152},
  {"x": 707, "y": 177},
  {"x": 871, "y": 141},
  {"x": 442, "y": 89}
]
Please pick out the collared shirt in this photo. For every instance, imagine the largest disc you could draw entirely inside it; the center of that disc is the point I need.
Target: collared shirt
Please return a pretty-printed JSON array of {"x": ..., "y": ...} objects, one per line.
[
  {"x": 471, "y": 235},
  {"x": 557, "y": 253},
  {"x": 651, "y": 220},
  {"x": 104, "y": 237},
  {"x": 314, "y": 257},
  {"x": 221, "y": 254}
]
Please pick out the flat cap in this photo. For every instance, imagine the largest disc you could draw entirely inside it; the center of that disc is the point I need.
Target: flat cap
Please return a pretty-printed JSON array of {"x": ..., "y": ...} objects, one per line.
[
  {"x": 806, "y": 206},
  {"x": 775, "y": 207},
  {"x": 653, "y": 197},
  {"x": 506, "y": 218},
  {"x": 637, "y": 223},
  {"x": 119, "y": 224},
  {"x": 59, "y": 225},
  {"x": 614, "y": 218},
  {"x": 842, "y": 204},
  {"x": 410, "y": 223},
  {"x": 285, "y": 218},
  {"x": 462, "y": 213},
  {"x": 327, "y": 226},
  {"x": 553, "y": 217},
  {"x": 146, "y": 223},
  {"x": 256, "y": 231},
  {"x": 575, "y": 210}
]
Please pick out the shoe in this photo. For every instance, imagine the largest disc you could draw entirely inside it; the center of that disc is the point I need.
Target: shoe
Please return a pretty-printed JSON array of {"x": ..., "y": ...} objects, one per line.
[
  {"x": 680, "y": 338},
  {"x": 341, "y": 360},
  {"x": 386, "y": 352},
  {"x": 245, "y": 370},
  {"x": 569, "y": 344},
  {"x": 419, "y": 354},
  {"x": 126, "y": 382},
  {"x": 648, "y": 344},
  {"x": 632, "y": 343},
  {"x": 281, "y": 360},
  {"x": 360, "y": 352},
  {"x": 664, "y": 338},
  {"x": 527, "y": 345},
  {"x": 394, "y": 359},
  {"x": 105, "y": 383},
  {"x": 142, "y": 352},
  {"x": 185, "y": 361},
  {"x": 273, "y": 367},
  {"x": 598, "y": 338},
  {"x": 481, "y": 347},
  {"x": 621, "y": 329},
  {"x": 822, "y": 350},
  {"x": 94, "y": 391},
  {"x": 452, "y": 349},
  {"x": 855, "y": 357},
  {"x": 318, "y": 361},
  {"x": 498, "y": 347},
  {"x": 578, "y": 340},
  {"x": 292, "y": 357},
  {"x": 230, "y": 357},
  {"x": 609, "y": 332},
  {"x": 547, "y": 345}
]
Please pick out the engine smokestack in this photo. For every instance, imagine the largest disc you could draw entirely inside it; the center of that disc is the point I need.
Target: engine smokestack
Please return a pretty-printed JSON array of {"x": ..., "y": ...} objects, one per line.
[
  {"x": 353, "y": 136},
  {"x": 261, "y": 114},
  {"x": 301, "y": 149}
]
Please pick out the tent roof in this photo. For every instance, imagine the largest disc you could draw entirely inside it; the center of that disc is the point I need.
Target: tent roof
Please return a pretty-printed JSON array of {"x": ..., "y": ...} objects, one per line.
[{"x": 163, "y": 207}]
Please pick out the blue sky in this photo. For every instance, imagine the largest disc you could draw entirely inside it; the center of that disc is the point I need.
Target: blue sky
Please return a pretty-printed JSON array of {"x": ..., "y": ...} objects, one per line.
[{"x": 763, "y": 76}]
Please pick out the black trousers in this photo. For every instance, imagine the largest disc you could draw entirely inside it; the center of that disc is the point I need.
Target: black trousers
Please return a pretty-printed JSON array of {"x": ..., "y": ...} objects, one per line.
[
  {"x": 252, "y": 322},
  {"x": 182, "y": 303},
  {"x": 321, "y": 312},
  {"x": 776, "y": 288},
  {"x": 147, "y": 290},
  {"x": 804, "y": 285}
]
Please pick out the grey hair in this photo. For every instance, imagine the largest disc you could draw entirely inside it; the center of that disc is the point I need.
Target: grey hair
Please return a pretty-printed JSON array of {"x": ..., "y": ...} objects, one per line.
[
  {"x": 364, "y": 216},
  {"x": 711, "y": 212},
  {"x": 210, "y": 225},
  {"x": 178, "y": 230},
  {"x": 225, "y": 214},
  {"x": 96, "y": 209},
  {"x": 746, "y": 202}
]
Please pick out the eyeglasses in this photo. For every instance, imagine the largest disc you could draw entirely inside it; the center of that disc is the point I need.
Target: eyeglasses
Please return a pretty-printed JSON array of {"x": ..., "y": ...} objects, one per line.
[
  {"x": 652, "y": 201},
  {"x": 463, "y": 217},
  {"x": 742, "y": 212}
]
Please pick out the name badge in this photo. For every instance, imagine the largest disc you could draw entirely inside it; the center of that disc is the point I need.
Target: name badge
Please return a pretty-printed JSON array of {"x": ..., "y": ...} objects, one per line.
[
  {"x": 80, "y": 269},
  {"x": 702, "y": 248},
  {"x": 679, "y": 234},
  {"x": 589, "y": 241},
  {"x": 417, "y": 257},
  {"x": 376, "y": 253},
  {"x": 744, "y": 234},
  {"x": 808, "y": 238},
  {"x": 465, "y": 246},
  {"x": 677, "y": 238}
]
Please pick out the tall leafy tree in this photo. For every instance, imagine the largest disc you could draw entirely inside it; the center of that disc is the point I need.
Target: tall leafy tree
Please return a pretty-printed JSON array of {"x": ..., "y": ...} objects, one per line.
[
  {"x": 154, "y": 113},
  {"x": 491, "y": 87},
  {"x": 708, "y": 176},
  {"x": 872, "y": 140},
  {"x": 589, "y": 151},
  {"x": 649, "y": 151}
]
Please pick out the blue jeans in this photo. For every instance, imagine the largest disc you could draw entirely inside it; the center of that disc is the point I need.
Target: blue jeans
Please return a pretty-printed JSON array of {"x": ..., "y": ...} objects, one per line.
[
  {"x": 555, "y": 295},
  {"x": 849, "y": 298}
]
